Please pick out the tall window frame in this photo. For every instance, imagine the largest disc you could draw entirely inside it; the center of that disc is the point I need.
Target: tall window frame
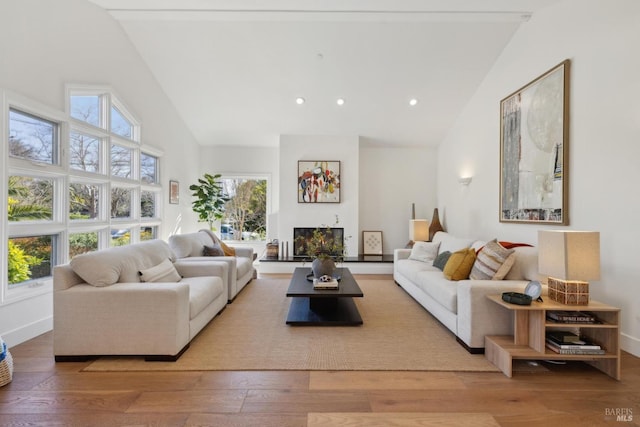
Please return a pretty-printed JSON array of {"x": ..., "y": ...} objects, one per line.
[{"x": 62, "y": 225}]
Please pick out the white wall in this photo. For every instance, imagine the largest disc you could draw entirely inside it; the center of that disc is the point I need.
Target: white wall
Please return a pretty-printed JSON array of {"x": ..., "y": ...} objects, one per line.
[
  {"x": 45, "y": 45},
  {"x": 291, "y": 214},
  {"x": 601, "y": 39},
  {"x": 391, "y": 179}
]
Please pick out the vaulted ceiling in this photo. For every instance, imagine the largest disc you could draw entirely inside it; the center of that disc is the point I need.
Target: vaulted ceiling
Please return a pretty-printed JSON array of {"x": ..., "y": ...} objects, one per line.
[{"x": 234, "y": 68}]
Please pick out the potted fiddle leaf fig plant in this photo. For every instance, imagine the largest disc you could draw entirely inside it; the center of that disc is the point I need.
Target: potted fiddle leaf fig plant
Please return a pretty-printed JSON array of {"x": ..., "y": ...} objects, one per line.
[{"x": 209, "y": 199}]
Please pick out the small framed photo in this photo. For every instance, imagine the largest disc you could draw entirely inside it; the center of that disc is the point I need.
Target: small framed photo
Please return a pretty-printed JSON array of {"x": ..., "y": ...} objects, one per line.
[
  {"x": 372, "y": 242},
  {"x": 174, "y": 192}
]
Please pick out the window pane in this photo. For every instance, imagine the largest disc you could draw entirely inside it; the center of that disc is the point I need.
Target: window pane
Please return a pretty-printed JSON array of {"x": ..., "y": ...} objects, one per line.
[
  {"x": 80, "y": 243},
  {"x": 86, "y": 108},
  {"x": 32, "y": 138},
  {"x": 85, "y": 152},
  {"x": 120, "y": 125},
  {"x": 120, "y": 161},
  {"x": 120, "y": 203},
  {"x": 148, "y": 204},
  {"x": 245, "y": 214},
  {"x": 148, "y": 168},
  {"x": 84, "y": 201},
  {"x": 120, "y": 236},
  {"x": 148, "y": 233},
  {"x": 30, "y": 258},
  {"x": 30, "y": 199}
]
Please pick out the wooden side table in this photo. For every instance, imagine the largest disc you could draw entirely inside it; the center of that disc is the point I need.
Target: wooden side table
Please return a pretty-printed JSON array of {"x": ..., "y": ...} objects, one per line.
[{"x": 531, "y": 324}]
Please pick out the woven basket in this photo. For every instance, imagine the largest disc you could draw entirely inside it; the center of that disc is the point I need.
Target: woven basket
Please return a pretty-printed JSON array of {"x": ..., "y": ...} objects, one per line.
[{"x": 6, "y": 364}]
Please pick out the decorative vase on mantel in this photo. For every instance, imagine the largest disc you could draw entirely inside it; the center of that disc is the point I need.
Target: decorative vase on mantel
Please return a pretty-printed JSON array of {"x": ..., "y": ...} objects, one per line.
[
  {"x": 435, "y": 225},
  {"x": 323, "y": 266}
]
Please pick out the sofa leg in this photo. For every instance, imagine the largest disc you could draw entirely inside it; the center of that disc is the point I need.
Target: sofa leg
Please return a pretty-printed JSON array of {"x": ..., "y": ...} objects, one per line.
[
  {"x": 165, "y": 358},
  {"x": 64, "y": 359},
  {"x": 472, "y": 350}
]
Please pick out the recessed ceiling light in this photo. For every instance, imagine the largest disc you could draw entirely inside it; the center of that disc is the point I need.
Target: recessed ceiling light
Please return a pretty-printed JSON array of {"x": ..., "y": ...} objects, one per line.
[
  {"x": 413, "y": 102},
  {"x": 299, "y": 100},
  {"x": 340, "y": 101}
]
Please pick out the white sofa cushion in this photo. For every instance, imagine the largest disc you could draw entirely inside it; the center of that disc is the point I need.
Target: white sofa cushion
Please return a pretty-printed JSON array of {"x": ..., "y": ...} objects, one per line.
[
  {"x": 202, "y": 292},
  {"x": 525, "y": 266},
  {"x": 410, "y": 268},
  {"x": 120, "y": 264},
  {"x": 451, "y": 243},
  {"x": 443, "y": 291}
]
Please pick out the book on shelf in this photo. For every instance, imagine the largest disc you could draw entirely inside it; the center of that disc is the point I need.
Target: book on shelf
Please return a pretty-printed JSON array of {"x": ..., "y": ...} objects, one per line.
[
  {"x": 563, "y": 337},
  {"x": 583, "y": 351},
  {"x": 571, "y": 317},
  {"x": 331, "y": 284},
  {"x": 583, "y": 346}
]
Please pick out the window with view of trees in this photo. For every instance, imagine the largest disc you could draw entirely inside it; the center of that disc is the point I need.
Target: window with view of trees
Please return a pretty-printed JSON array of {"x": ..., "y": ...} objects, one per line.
[
  {"x": 32, "y": 138},
  {"x": 94, "y": 167},
  {"x": 245, "y": 216}
]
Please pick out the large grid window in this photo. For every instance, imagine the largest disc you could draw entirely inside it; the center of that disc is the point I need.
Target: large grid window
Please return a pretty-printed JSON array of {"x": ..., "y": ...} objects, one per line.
[{"x": 75, "y": 182}]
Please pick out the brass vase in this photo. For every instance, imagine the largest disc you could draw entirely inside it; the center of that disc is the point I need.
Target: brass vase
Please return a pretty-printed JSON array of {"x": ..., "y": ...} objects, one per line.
[{"x": 435, "y": 225}]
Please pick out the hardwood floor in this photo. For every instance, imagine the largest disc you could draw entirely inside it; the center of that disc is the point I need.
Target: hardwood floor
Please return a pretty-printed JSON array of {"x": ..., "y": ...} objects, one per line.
[{"x": 44, "y": 393}]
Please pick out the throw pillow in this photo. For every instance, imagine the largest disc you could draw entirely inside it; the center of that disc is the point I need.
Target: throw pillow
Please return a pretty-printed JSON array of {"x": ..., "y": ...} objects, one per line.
[
  {"x": 424, "y": 251},
  {"x": 489, "y": 261},
  {"x": 459, "y": 264},
  {"x": 228, "y": 251},
  {"x": 214, "y": 250},
  {"x": 163, "y": 272},
  {"x": 441, "y": 260}
]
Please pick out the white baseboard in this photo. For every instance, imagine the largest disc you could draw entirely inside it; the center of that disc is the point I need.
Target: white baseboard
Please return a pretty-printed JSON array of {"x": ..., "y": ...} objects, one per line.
[
  {"x": 27, "y": 332},
  {"x": 630, "y": 344}
]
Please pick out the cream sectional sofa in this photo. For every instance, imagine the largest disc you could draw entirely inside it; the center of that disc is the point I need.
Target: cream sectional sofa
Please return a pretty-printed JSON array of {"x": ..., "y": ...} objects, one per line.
[
  {"x": 101, "y": 306},
  {"x": 462, "y": 305},
  {"x": 238, "y": 269}
]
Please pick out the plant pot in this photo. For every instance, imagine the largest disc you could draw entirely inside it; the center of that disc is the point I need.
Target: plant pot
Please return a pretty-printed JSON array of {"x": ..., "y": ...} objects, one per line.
[{"x": 320, "y": 267}]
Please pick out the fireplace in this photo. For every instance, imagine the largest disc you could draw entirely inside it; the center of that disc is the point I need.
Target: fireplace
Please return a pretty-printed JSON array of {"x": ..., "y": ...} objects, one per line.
[{"x": 302, "y": 234}]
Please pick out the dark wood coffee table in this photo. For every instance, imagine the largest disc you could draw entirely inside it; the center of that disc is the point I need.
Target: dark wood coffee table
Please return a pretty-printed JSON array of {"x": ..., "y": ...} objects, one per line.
[{"x": 310, "y": 307}]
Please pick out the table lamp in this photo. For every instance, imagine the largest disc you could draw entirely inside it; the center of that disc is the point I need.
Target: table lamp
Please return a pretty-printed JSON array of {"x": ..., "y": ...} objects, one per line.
[
  {"x": 418, "y": 231},
  {"x": 570, "y": 259}
]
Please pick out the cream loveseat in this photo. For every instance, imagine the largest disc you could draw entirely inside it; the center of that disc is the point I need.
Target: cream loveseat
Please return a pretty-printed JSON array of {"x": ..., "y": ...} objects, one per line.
[
  {"x": 462, "y": 305},
  {"x": 131, "y": 300},
  {"x": 238, "y": 269}
]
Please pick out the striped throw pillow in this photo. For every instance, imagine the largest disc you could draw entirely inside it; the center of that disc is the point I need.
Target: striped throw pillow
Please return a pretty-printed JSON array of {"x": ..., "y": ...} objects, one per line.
[{"x": 493, "y": 262}]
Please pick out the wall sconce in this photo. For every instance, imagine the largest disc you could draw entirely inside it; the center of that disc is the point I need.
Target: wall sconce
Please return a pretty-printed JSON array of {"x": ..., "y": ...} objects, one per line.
[
  {"x": 569, "y": 259},
  {"x": 418, "y": 231},
  {"x": 465, "y": 180}
]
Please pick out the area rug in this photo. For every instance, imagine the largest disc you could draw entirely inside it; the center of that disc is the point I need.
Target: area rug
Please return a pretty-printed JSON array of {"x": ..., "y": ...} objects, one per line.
[{"x": 251, "y": 334}]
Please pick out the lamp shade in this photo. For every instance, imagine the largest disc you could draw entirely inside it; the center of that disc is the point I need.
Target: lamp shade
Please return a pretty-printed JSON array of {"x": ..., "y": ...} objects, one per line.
[
  {"x": 569, "y": 255},
  {"x": 419, "y": 230}
]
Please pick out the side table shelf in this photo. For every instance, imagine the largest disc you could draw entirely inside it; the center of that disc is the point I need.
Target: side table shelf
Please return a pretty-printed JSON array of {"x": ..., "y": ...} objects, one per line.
[{"x": 530, "y": 326}]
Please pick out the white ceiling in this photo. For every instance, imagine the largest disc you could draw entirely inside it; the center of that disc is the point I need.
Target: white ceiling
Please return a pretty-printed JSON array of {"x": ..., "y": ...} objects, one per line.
[{"x": 234, "y": 68}]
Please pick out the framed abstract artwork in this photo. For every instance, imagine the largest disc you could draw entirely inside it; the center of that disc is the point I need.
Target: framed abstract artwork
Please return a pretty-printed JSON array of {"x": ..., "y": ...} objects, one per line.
[
  {"x": 174, "y": 192},
  {"x": 372, "y": 242},
  {"x": 318, "y": 181},
  {"x": 534, "y": 150}
]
